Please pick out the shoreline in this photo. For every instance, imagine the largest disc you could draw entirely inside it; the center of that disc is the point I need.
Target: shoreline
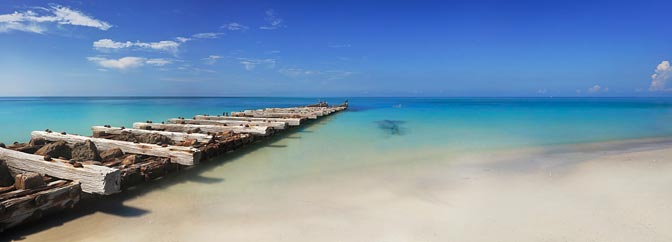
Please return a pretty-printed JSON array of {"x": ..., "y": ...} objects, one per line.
[{"x": 582, "y": 192}]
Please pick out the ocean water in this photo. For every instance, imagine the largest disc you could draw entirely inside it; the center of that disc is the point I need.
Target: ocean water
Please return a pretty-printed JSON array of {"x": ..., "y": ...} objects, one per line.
[
  {"x": 386, "y": 123},
  {"x": 388, "y": 169}
]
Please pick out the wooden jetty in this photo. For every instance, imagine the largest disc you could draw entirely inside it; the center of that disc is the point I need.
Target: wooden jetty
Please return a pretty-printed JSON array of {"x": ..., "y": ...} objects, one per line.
[{"x": 55, "y": 169}]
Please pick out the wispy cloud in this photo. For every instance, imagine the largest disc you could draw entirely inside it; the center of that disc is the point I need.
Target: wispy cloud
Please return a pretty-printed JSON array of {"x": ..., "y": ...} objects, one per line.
[
  {"x": 597, "y": 89},
  {"x": 170, "y": 46},
  {"x": 662, "y": 74},
  {"x": 324, "y": 75},
  {"x": 339, "y": 45},
  {"x": 38, "y": 21},
  {"x": 272, "y": 21},
  {"x": 164, "y": 45},
  {"x": 159, "y": 62},
  {"x": 126, "y": 63},
  {"x": 211, "y": 60},
  {"x": 235, "y": 27},
  {"x": 182, "y": 39},
  {"x": 297, "y": 72},
  {"x": 250, "y": 64},
  {"x": 207, "y": 35}
]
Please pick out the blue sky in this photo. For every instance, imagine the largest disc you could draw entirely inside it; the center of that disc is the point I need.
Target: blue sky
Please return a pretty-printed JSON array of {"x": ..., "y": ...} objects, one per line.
[{"x": 335, "y": 48}]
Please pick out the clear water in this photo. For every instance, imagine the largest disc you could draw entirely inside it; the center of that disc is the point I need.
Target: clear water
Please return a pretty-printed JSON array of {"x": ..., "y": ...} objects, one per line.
[
  {"x": 348, "y": 175},
  {"x": 380, "y": 123}
]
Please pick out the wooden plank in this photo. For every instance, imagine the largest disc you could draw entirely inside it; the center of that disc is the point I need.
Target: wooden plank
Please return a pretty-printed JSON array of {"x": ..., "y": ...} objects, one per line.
[
  {"x": 94, "y": 179},
  {"x": 57, "y": 195},
  {"x": 275, "y": 125},
  {"x": 288, "y": 121},
  {"x": 316, "y": 111},
  {"x": 262, "y": 114},
  {"x": 255, "y": 130},
  {"x": 178, "y": 154},
  {"x": 175, "y": 136}
]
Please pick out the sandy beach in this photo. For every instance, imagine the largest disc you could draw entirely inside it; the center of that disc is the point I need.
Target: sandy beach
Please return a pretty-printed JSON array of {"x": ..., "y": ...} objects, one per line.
[{"x": 613, "y": 191}]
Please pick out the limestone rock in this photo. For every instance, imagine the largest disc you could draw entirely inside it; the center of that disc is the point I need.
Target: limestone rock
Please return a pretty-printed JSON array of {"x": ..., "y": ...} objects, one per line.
[
  {"x": 131, "y": 159},
  {"x": 155, "y": 139},
  {"x": 111, "y": 154},
  {"x": 37, "y": 141},
  {"x": 86, "y": 151},
  {"x": 56, "y": 149},
  {"x": 126, "y": 136}
]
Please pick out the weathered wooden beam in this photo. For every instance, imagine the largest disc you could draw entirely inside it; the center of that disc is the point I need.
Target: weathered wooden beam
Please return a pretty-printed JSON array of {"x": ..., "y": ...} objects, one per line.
[
  {"x": 94, "y": 179},
  {"x": 56, "y": 195},
  {"x": 255, "y": 130},
  {"x": 262, "y": 114},
  {"x": 177, "y": 154},
  {"x": 175, "y": 136},
  {"x": 288, "y": 121},
  {"x": 275, "y": 125},
  {"x": 316, "y": 111}
]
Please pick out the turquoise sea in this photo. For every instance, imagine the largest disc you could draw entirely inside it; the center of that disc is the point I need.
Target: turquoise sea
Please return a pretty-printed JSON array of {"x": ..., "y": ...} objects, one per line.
[
  {"x": 387, "y": 123},
  {"x": 388, "y": 169}
]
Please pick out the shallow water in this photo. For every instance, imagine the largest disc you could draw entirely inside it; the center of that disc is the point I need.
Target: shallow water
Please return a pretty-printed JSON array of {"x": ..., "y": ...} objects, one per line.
[
  {"x": 455, "y": 123},
  {"x": 445, "y": 175}
]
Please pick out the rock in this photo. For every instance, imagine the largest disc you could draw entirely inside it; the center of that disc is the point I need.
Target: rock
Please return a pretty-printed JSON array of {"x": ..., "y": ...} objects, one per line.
[
  {"x": 78, "y": 165},
  {"x": 37, "y": 141},
  {"x": 56, "y": 149},
  {"x": 98, "y": 134},
  {"x": 28, "y": 180},
  {"x": 47, "y": 158},
  {"x": 30, "y": 149},
  {"x": 111, "y": 154},
  {"x": 85, "y": 151},
  {"x": 2, "y": 145},
  {"x": 126, "y": 136},
  {"x": 154, "y": 139},
  {"x": 6, "y": 178},
  {"x": 131, "y": 159}
]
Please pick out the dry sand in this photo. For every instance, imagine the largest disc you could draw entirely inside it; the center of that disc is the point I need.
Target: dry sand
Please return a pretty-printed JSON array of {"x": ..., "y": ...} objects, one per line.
[{"x": 617, "y": 191}]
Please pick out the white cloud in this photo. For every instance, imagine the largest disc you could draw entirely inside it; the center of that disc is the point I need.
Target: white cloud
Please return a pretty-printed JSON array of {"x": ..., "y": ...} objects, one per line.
[
  {"x": 182, "y": 39},
  {"x": 126, "y": 63},
  {"x": 207, "y": 35},
  {"x": 212, "y": 59},
  {"x": 158, "y": 62},
  {"x": 597, "y": 89},
  {"x": 164, "y": 45},
  {"x": 542, "y": 91},
  {"x": 663, "y": 73},
  {"x": 235, "y": 27},
  {"x": 119, "y": 64},
  {"x": 34, "y": 22},
  {"x": 273, "y": 21},
  {"x": 297, "y": 72},
  {"x": 250, "y": 64}
]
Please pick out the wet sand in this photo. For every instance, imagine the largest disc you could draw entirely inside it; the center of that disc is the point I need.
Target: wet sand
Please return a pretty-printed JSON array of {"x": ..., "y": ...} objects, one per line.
[{"x": 613, "y": 191}]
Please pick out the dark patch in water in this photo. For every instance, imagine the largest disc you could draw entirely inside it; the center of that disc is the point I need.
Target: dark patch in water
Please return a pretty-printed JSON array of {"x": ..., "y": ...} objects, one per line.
[{"x": 392, "y": 127}]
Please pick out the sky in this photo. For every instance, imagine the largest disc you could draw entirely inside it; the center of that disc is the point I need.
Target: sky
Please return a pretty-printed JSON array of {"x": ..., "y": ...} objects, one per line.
[{"x": 335, "y": 48}]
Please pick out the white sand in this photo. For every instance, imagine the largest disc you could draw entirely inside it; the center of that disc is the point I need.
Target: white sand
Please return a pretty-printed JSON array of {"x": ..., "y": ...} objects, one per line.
[{"x": 595, "y": 192}]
